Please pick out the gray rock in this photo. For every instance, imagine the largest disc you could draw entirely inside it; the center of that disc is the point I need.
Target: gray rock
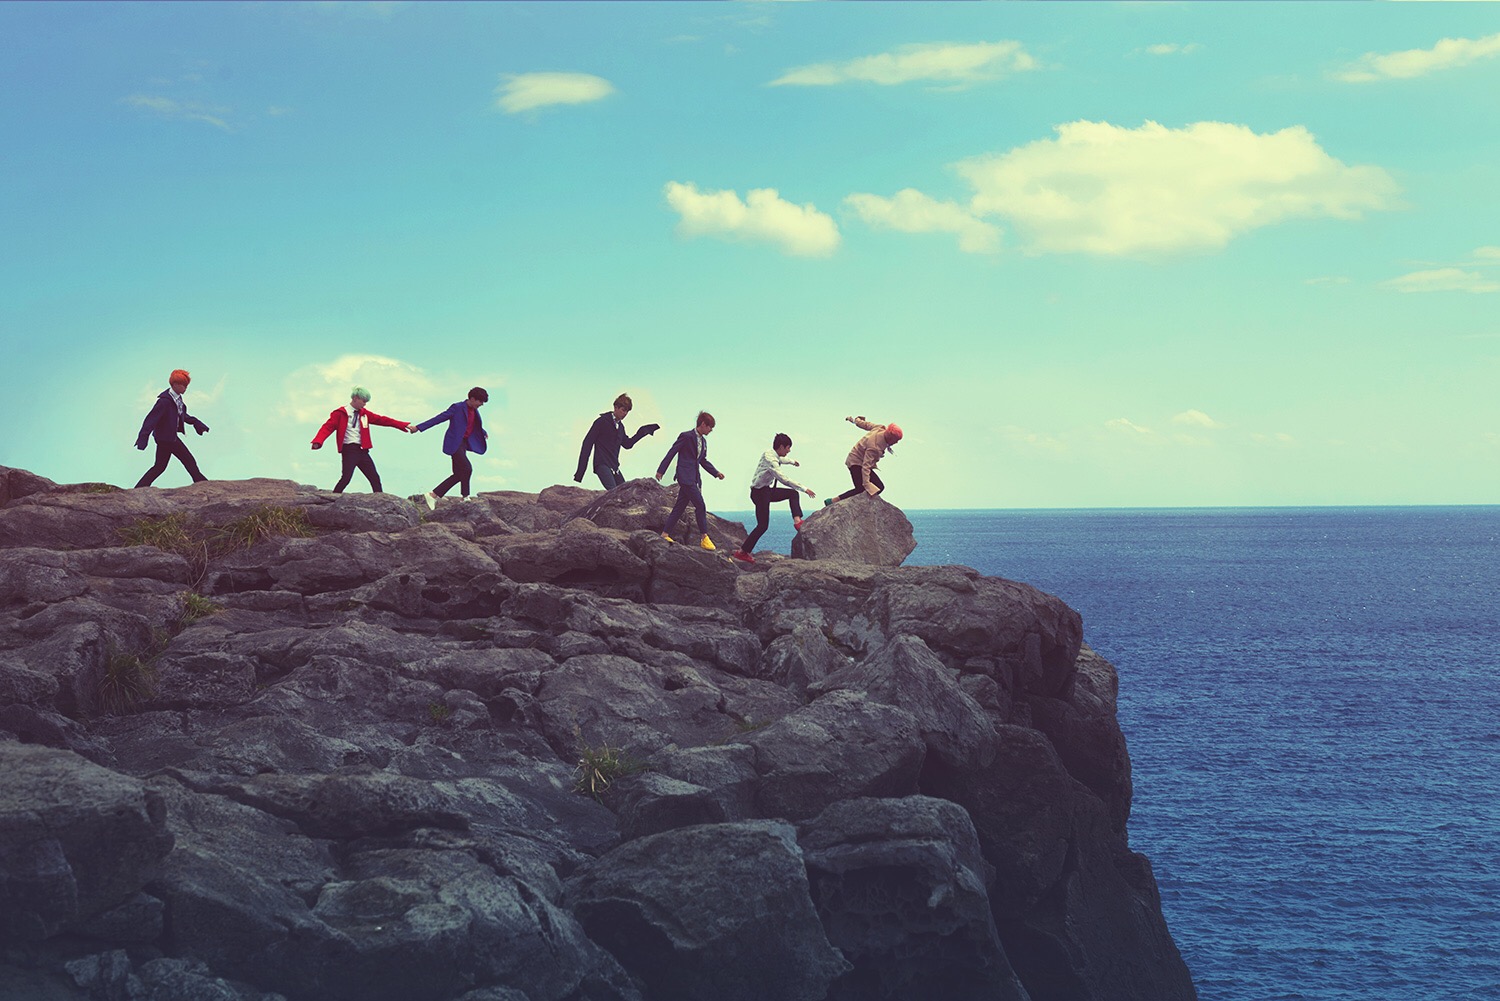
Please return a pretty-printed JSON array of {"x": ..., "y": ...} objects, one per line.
[
  {"x": 716, "y": 911},
  {"x": 900, "y": 886},
  {"x": 649, "y": 803},
  {"x": 861, "y": 529},
  {"x": 727, "y": 771},
  {"x": 644, "y": 504}
]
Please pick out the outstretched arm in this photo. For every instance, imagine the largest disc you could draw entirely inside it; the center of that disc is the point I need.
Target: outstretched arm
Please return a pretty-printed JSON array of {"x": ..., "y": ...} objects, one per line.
[
  {"x": 588, "y": 444},
  {"x": 645, "y": 429}
]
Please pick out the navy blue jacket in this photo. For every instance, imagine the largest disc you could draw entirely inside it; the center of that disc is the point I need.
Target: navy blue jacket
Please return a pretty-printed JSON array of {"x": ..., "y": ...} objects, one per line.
[
  {"x": 163, "y": 423},
  {"x": 606, "y": 439},
  {"x": 686, "y": 450},
  {"x": 457, "y": 417}
]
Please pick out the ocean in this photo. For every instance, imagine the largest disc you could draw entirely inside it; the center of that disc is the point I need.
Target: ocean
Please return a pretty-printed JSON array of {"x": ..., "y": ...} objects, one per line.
[{"x": 1312, "y": 703}]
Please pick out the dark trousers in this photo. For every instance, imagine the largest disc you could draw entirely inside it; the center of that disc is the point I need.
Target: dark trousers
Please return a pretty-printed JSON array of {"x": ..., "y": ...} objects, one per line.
[
  {"x": 763, "y": 498},
  {"x": 687, "y": 492},
  {"x": 610, "y": 477},
  {"x": 462, "y": 470},
  {"x": 859, "y": 487},
  {"x": 164, "y": 452},
  {"x": 357, "y": 457}
]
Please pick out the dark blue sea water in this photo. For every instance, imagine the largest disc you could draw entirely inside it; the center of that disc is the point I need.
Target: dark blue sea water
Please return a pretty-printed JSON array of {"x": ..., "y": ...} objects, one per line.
[{"x": 1312, "y": 703}]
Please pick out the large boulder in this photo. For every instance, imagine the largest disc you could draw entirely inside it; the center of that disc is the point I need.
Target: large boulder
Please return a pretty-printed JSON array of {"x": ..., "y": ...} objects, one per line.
[
  {"x": 18, "y": 483},
  {"x": 714, "y": 911},
  {"x": 861, "y": 528},
  {"x": 644, "y": 504}
]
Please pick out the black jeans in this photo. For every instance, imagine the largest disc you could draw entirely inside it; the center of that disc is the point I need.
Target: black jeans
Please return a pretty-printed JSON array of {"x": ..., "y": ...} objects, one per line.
[
  {"x": 164, "y": 452},
  {"x": 859, "y": 487},
  {"x": 763, "y": 498},
  {"x": 357, "y": 457},
  {"x": 687, "y": 492},
  {"x": 608, "y": 476},
  {"x": 462, "y": 470}
]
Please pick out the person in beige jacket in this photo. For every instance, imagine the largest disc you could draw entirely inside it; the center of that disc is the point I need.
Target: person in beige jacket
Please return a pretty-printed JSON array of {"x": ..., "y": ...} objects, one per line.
[{"x": 866, "y": 453}]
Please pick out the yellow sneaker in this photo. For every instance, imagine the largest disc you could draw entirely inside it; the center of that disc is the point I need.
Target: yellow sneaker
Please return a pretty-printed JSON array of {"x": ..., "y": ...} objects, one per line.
[
  {"x": 664, "y": 535},
  {"x": 708, "y": 544}
]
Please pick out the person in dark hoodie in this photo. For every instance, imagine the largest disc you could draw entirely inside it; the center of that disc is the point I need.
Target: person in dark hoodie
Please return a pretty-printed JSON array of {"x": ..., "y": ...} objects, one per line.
[
  {"x": 606, "y": 437},
  {"x": 166, "y": 422}
]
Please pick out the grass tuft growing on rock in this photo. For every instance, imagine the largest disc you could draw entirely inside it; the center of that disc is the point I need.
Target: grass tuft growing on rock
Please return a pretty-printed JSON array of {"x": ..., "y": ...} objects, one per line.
[
  {"x": 128, "y": 679},
  {"x": 266, "y": 522},
  {"x": 196, "y": 606},
  {"x": 599, "y": 767}
]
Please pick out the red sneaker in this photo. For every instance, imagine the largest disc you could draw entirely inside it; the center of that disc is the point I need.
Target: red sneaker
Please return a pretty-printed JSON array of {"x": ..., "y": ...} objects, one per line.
[
  {"x": 743, "y": 556},
  {"x": 797, "y": 524}
]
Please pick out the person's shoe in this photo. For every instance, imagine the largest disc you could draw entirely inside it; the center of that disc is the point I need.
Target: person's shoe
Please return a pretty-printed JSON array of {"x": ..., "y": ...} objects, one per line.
[
  {"x": 829, "y": 501},
  {"x": 708, "y": 544},
  {"x": 664, "y": 535},
  {"x": 743, "y": 556},
  {"x": 470, "y": 500},
  {"x": 797, "y": 524},
  {"x": 431, "y": 499}
]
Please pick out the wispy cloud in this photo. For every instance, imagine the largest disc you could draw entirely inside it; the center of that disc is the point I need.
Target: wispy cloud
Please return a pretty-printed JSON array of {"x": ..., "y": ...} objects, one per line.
[
  {"x": 1171, "y": 49},
  {"x": 910, "y": 211},
  {"x": 530, "y": 91},
  {"x": 763, "y": 215},
  {"x": 1128, "y": 426},
  {"x": 187, "y": 111},
  {"x": 1196, "y": 418},
  {"x": 1443, "y": 280},
  {"x": 953, "y": 63},
  {"x": 1449, "y": 53},
  {"x": 398, "y": 387},
  {"x": 1104, "y": 189},
  {"x": 1489, "y": 255}
]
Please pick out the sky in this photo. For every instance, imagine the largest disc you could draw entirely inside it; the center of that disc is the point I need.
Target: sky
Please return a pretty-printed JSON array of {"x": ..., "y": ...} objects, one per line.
[{"x": 1086, "y": 255}]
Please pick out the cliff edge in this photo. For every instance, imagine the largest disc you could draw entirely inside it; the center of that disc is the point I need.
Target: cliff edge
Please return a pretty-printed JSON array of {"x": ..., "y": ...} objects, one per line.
[{"x": 264, "y": 741}]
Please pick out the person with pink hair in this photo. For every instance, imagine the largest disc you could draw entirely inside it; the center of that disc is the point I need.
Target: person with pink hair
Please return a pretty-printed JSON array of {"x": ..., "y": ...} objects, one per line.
[
  {"x": 166, "y": 422},
  {"x": 866, "y": 453}
]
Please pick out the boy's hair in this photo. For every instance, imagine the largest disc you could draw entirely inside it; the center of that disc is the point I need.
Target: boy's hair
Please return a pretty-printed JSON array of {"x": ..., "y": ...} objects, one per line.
[
  {"x": 361, "y": 392},
  {"x": 179, "y": 375},
  {"x": 782, "y": 439},
  {"x": 479, "y": 394},
  {"x": 704, "y": 417},
  {"x": 623, "y": 401}
]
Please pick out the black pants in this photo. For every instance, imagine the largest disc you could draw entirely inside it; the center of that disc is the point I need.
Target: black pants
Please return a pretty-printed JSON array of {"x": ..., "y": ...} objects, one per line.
[
  {"x": 859, "y": 487},
  {"x": 608, "y": 476},
  {"x": 687, "y": 492},
  {"x": 462, "y": 470},
  {"x": 164, "y": 452},
  {"x": 763, "y": 498},
  {"x": 357, "y": 457}
]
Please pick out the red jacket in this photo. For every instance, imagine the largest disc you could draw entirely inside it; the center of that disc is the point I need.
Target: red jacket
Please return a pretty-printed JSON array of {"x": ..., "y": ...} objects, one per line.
[{"x": 338, "y": 423}]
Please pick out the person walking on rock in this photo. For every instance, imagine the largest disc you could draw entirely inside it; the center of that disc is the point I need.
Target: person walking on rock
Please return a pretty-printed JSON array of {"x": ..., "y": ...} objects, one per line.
[
  {"x": 866, "y": 453},
  {"x": 764, "y": 492},
  {"x": 606, "y": 437},
  {"x": 350, "y": 427},
  {"x": 465, "y": 434},
  {"x": 691, "y": 449},
  {"x": 166, "y": 422}
]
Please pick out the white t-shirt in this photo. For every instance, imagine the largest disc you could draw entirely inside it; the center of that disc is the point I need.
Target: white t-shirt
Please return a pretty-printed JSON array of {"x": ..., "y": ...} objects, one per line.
[{"x": 351, "y": 434}]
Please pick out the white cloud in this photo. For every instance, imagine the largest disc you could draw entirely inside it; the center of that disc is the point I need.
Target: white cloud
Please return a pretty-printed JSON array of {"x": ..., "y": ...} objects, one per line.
[
  {"x": 1443, "y": 280},
  {"x": 398, "y": 388},
  {"x": 1129, "y": 426},
  {"x": 1196, "y": 418},
  {"x": 910, "y": 211},
  {"x": 1446, "y": 54},
  {"x": 763, "y": 215},
  {"x": 1487, "y": 254},
  {"x": 187, "y": 111},
  {"x": 1104, "y": 189},
  {"x": 1172, "y": 49},
  {"x": 943, "y": 62},
  {"x": 529, "y": 91}
]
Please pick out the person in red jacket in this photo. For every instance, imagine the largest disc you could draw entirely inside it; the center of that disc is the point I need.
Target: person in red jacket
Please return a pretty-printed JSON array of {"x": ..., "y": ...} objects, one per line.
[{"x": 350, "y": 427}]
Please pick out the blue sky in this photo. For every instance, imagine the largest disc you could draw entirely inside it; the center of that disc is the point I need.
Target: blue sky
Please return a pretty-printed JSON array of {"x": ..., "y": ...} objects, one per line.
[{"x": 1086, "y": 255}]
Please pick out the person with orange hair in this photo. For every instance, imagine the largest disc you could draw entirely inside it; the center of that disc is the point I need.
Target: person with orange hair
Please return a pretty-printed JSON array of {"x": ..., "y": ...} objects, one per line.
[
  {"x": 166, "y": 422},
  {"x": 865, "y": 454}
]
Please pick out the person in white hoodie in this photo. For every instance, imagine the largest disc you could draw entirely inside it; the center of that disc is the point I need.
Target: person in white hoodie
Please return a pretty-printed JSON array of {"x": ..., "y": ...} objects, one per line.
[{"x": 764, "y": 493}]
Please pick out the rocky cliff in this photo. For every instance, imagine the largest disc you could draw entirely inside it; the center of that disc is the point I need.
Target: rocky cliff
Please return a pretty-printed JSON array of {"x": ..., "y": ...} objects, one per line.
[{"x": 259, "y": 741}]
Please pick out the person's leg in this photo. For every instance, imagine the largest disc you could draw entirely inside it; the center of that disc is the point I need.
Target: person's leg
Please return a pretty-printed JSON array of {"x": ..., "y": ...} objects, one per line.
[
  {"x": 465, "y": 474},
  {"x": 790, "y": 496},
  {"x": 858, "y": 487},
  {"x": 367, "y": 466},
  {"x": 180, "y": 449},
  {"x": 347, "y": 472},
  {"x": 678, "y": 507},
  {"x": 875, "y": 479},
  {"x": 611, "y": 478},
  {"x": 163, "y": 456},
  {"x": 759, "y": 497},
  {"x": 701, "y": 510},
  {"x": 460, "y": 461}
]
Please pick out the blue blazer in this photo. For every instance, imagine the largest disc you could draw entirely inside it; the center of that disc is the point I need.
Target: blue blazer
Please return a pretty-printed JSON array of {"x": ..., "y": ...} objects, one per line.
[
  {"x": 457, "y": 417},
  {"x": 686, "y": 450},
  {"x": 163, "y": 424}
]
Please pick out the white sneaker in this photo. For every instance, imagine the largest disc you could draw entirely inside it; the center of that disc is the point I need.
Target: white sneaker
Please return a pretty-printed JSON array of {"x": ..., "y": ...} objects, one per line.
[
  {"x": 431, "y": 499},
  {"x": 470, "y": 499}
]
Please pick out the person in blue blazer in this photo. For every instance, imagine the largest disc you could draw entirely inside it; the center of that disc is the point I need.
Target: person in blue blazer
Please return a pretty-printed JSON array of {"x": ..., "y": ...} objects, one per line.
[
  {"x": 605, "y": 439},
  {"x": 465, "y": 434},
  {"x": 691, "y": 449},
  {"x": 166, "y": 422}
]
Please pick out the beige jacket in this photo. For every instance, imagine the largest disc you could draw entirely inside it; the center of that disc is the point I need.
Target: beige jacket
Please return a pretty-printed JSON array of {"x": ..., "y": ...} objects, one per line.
[{"x": 867, "y": 452}]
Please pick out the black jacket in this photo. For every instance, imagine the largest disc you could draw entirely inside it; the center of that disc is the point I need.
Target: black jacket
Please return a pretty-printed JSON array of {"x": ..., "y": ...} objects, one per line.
[
  {"x": 606, "y": 440},
  {"x": 163, "y": 422}
]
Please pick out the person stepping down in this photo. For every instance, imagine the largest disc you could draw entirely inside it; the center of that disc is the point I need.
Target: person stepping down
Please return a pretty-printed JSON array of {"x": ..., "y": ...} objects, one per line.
[
  {"x": 865, "y": 454},
  {"x": 764, "y": 493},
  {"x": 691, "y": 450},
  {"x": 465, "y": 434}
]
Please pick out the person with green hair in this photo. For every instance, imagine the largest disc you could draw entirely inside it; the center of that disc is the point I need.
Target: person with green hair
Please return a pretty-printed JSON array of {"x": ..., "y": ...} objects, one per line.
[{"x": 350, "y": 427}]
